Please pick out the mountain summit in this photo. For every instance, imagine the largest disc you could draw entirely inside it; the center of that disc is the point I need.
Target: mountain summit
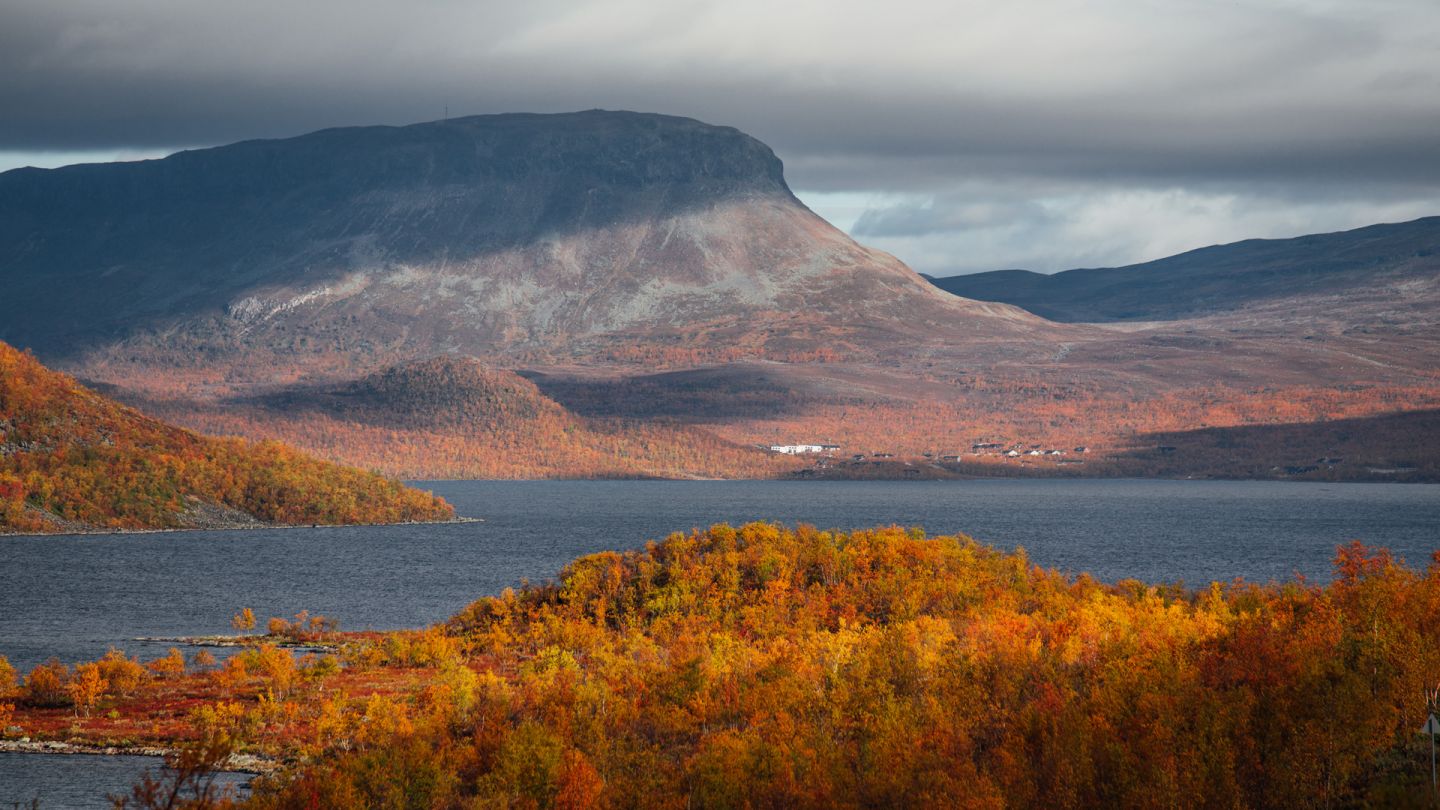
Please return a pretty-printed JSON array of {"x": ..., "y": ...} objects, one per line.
[{"x": 535, "y": 235}]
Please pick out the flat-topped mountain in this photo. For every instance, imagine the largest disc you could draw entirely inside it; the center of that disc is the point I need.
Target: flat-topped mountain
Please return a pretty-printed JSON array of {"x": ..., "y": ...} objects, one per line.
[
  {"x": 1396, "y": 262},
  {"x": 490, "y": 235}
]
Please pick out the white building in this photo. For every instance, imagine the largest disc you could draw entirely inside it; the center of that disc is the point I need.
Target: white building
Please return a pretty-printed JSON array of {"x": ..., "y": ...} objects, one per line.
[{"x": 797, "y": 449}]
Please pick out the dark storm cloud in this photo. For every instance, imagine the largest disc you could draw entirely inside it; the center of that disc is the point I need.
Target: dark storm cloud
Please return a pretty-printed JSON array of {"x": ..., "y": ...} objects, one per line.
[{"x": 1020, "y": 103}]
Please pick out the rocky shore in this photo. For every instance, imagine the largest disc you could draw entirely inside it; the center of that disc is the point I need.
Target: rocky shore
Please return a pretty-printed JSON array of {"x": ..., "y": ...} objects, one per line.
[{"x": 238, "y": 763}]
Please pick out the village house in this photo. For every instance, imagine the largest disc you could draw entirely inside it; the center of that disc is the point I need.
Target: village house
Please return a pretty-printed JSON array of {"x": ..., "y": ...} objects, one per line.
[{"x": 797, "y": 449}]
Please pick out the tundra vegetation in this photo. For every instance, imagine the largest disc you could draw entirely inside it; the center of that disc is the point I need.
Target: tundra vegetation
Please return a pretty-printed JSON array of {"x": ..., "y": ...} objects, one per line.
[
  {"x": 767, "y": 666},
  {"x": 73, "y": 459},
  {"x": 459, "y": 419}
]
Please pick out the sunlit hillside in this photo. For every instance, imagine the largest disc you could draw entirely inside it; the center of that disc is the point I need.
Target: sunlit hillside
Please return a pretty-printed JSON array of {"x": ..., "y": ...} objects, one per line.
[{"x": 71, "y": 459}]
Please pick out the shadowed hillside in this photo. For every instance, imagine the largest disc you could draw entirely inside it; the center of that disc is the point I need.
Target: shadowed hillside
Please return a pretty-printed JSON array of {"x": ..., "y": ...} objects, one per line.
[
  {"x": 1401, "y": 259},
  {"x": 439, "y": 393},
  {"x": 1389, "y": 447},
  {"x": 453, "y": 417}
]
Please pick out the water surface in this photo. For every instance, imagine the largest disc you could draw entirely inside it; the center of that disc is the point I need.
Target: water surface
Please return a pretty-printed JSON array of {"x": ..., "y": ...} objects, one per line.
[
  {"x": 61, "y": 782},
  {"x": 73, "y": 596}
]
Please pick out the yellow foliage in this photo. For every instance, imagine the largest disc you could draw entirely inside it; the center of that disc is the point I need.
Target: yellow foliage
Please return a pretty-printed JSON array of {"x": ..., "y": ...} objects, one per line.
[
  {"x": 171, "y": 666},
  {"x": 86, "y": 687},
  {"x": 7, "y": 677},
  {"x": 124, "y": 675}
]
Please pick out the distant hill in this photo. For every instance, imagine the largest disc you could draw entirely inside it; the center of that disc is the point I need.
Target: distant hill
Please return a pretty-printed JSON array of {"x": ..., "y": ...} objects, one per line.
[
  {"x": 456, "y": 417},
  {"x": 1402, "y": 259},
  {"x": 438, "y": 393},
  {"x": 73, "y": 460}
]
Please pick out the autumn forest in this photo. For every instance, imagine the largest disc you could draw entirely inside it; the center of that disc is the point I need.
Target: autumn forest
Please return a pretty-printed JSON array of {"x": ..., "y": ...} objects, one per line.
[{"x": 71, "y": 460}]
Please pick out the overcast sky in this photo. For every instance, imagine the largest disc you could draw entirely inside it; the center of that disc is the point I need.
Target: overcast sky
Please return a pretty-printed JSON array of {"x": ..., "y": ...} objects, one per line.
[{"x": 959, "y": 135}]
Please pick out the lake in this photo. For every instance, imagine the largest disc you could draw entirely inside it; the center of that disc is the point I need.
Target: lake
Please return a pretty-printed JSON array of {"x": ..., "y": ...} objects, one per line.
[
  {"x": 73, "y": 596},
  {"x": 61, "y": 782}
]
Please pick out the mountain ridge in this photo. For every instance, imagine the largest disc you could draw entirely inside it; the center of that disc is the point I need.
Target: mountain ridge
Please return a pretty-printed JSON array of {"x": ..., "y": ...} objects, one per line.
[{"x": 1217, "y": 278}]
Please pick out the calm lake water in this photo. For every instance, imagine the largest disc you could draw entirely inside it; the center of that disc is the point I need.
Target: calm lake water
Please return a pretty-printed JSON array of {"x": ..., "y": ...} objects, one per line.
[
  {"x": 78, "y": 781},
  {"x": 73, "y": 596}
]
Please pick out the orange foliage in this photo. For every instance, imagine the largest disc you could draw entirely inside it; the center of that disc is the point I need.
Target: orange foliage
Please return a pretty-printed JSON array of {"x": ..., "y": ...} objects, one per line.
[
  {"x": 643, "y": 429},
  {"x": 172, "y": 665},
  {"x": 86, "y": 687},
  {"x": 1061, "y": 416},
  {"x": 48, "y": 684},
  {"x": 243, "y": 621},
  {"x": 762, "y": 666},
  {"x": 69, "y": 456},
  {"x": 124, "y": 675},
  {"x": 305, "y": 628},
  {"x": 562, "y": 447}
]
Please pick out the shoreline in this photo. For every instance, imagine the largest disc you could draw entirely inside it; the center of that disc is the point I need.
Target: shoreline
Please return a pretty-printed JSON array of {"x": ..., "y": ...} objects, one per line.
[
  {"x": 239, "y": 641},
  {"x": 914, "y": 479},
  {"x": 244, "y": 527},
  {"x": 238, "y": 763}
]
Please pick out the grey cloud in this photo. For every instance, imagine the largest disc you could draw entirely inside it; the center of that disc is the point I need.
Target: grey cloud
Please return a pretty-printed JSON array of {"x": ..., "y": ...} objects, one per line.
[
  {"x": 1089, "y": 227},
  {"x": 1002, "y": 126},
  {"x": 1171, "y": 89},
  {"x": 955, "y": 214}
]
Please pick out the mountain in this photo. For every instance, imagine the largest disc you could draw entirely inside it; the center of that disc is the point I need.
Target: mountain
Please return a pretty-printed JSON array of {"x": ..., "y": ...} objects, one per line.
[
  {"x": 627, "y": 294},
  {"x": 1391, "y": 264},
  {"x": 73, "y": 460},
  {"x": 524, "y": 236}
]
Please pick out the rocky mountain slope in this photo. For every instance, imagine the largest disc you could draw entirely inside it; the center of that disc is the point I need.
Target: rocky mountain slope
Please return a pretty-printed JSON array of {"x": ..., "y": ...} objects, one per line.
[
  {"x": 73, "y": 460},
  {"x": 1392, "y": 265},
  {"x": 530, "y": 236}
]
